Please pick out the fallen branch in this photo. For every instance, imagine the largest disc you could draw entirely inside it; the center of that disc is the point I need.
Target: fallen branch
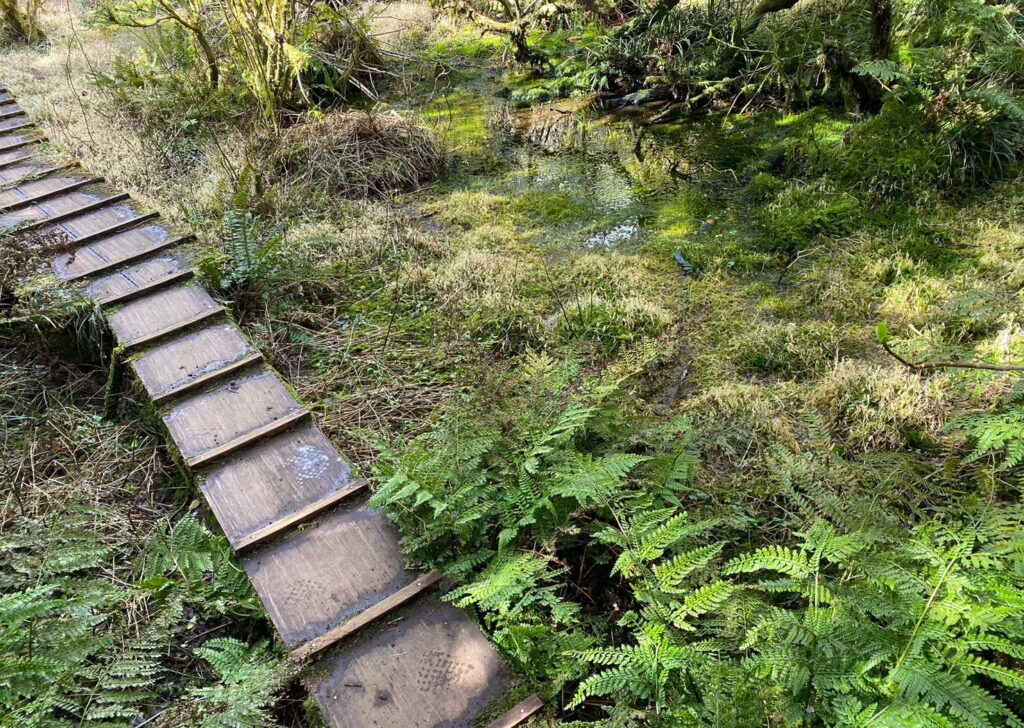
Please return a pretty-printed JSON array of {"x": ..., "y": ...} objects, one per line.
[{"x": 931, "y": 366}]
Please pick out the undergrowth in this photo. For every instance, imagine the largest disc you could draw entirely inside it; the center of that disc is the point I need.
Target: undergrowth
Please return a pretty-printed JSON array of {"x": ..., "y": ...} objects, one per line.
[{"x": 118, "y": 605}]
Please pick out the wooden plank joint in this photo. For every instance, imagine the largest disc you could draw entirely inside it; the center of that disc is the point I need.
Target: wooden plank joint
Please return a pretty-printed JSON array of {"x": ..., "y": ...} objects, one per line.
[
  {"x": 405, "y": 594},
  {"x": 272, "y": 428},
  {"x": 275, "y": 529}
]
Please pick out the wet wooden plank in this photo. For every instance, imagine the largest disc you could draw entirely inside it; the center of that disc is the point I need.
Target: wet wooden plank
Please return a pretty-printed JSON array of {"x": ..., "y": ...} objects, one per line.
[
  {"x": 280, "y": 482},
  {"x": 177, "y": 365},
  {"x": 18, "y": 173},
  {"x": 18, "y": 123},
  {"x": 117, "y": 248},
  {"x": 519, "y": 714},
  {"x": 162, "y": 313},
  {"x": 139, "y": 279},
  {"x": 8, "y": 159},
  {"x": 84, "y": 225},
  {"x": 215, "y": 423},
  {"x": 42, "y": 189},
  {"x": 11, "y": 142},
  {"x": 319, "y": 577},
  {"x": 51, "y": 212},
  {"x": 430, "y": 669}
]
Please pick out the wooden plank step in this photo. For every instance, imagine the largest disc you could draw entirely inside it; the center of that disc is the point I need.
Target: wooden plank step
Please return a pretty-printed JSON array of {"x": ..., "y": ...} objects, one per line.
[
  {"x": 51, "y": 212},
  {"x": 162, "y": 313},
  {"x": 430, "y": 668},
  {"x": 193, "y": 360},
  {"x": 211, "y": 425},
  {"x": 317, "y": 578},
  {"x": 18, "y": 173},
  {"x": 10, "y": 110},
  {"x": 43, "y": 189},
  {"x": 18, "y": 123},
  {"x": 9, "y": 159},
  {"x": 140, "y": 279},
  {"x": 379, "y": 610},
  {"x": 81, "y": 227},
  {"x": 277, "y": 484},
  {"x": 519, "y": 714},
  {"x": 17, "y": 141},
  {"x": 111, "y": 251},
  {"x": 6, "y": 97}
]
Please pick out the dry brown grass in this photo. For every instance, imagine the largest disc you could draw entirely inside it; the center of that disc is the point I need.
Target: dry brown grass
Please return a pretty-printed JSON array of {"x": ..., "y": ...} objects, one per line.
[
  {"x": 358, "y": 154},
  {"x": 55, "y": 450}
]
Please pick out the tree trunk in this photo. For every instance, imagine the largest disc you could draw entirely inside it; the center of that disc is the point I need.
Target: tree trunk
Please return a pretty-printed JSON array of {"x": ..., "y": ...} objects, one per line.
[
  {"x": 881, "y": 29},
  {"x": 16, "y": 24}
]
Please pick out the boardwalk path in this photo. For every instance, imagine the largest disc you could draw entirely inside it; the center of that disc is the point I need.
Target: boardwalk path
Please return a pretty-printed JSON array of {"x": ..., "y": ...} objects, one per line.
[{"x": 382, "y": 648}]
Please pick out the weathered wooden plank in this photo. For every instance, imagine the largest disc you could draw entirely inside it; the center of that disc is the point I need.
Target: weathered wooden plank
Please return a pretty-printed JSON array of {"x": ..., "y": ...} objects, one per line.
[
  {"x": 18, "y": 173},
  {"x": 309, "y": 588},
  {"x": 174, "y": 367},
  {"x": 17, "y": 141},
  {"x": 9, "y": 159},
  {"x": 162, "y": 313},
  {"x": 83, "y": 226},
  {"x": 52, "y": 212},
  {"x": 378, "y": 611},
  {"x": 215, "y": 423},
  {"x": 104, "y": 231},
  {"x": 10, "y": 110},
  {"x": 519, "y": 714},
  {"x": 6, "y": 97},
  {"x": 118, "y": 245},
  {"x": 281, "y": 482},
  {"x": 431, "y": 669},
  {"x": 139, "y": 279},
  {"x": 18, "y": 123},
  {"x": 42, "y": 189}
]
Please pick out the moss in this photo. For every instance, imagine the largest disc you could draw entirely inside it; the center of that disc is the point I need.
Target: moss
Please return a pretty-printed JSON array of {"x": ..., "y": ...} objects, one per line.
[
  {"x": 467, "y": 43},
  {"x": 793, "y": 350},
  {"x": 763, "y": 187},
  {"x": 547, "y": 207},
  {"x": 801, "y": 212},
  {"x": 460, "y": 119}
]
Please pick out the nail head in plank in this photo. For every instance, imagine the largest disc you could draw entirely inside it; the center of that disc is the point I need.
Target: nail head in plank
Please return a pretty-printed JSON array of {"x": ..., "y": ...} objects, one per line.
[
  {"x": 369, "y": 616},
  {"x": 319, "y": 577},
  {"x": 171, "y": 368},
  {"x": 430, "y": 669},
  {"x": 162, "y": 313},
  {"x": 214, "y": 423},
  {"x": 278, "y": 484},
  {"x": 519, "y": 714},
  {"x": 139, "y": 279}
]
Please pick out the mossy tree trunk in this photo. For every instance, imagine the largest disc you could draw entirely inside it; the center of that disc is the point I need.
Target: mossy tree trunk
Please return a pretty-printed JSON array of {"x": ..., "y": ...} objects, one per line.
[{"x": 17, "y": 24}]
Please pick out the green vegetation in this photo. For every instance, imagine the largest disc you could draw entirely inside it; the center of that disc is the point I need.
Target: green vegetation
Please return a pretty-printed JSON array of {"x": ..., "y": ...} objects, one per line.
[
  {"x": 117, "y": 603},
  {"x": 685, "y": 338}
]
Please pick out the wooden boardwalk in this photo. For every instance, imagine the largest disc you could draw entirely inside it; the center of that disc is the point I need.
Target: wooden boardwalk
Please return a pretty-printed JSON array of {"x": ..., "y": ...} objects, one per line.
[{"x": 382, "y": 649}]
